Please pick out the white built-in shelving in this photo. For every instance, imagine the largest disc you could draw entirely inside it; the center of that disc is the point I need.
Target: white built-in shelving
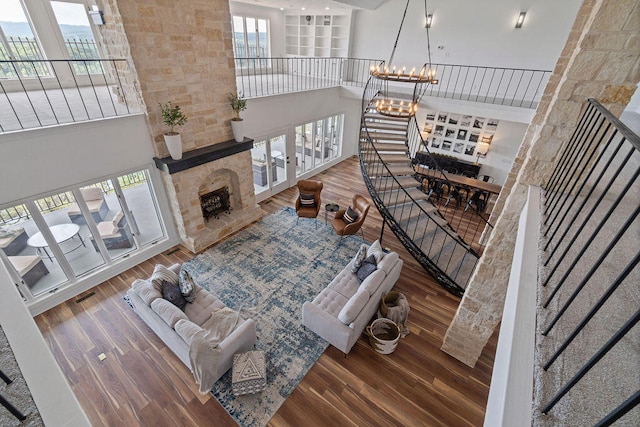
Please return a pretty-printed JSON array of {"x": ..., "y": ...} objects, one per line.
[{"x": 318, "y": 35}]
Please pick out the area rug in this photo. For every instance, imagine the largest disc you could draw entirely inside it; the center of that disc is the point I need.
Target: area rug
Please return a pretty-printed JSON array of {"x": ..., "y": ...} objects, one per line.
[{"x": 267, "y": 272}]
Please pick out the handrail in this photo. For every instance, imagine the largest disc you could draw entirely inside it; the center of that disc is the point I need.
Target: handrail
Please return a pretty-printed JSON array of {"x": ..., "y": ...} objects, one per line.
[
  {"x": 445, "y": 270},
  {"x": 39, "y": 93}
]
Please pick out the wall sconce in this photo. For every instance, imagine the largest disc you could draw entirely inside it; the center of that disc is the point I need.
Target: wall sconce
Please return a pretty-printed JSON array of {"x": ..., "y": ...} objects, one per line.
[
  {"x": 481, "y": 151},
  {"x": 429, "y": 20},
  {"x": 96, "y": 15},
  {"x": 520, "y": 20}
]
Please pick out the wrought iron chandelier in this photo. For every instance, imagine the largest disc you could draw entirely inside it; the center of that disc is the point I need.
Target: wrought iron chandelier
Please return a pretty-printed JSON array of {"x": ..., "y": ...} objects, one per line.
[{"x": 390, "y": 73}]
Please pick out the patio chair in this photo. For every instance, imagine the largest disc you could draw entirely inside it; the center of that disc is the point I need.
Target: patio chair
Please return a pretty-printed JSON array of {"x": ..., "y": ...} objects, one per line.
[
  {"x": 31, "y": 268},
  {"x": 116, "y": 233},
  {"x": 96, "y": 203}
]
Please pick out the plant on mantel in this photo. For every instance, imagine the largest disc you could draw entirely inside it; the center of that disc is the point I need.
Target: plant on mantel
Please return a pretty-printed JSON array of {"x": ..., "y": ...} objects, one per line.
[
  {"x": 238, "y": 104},
  {"x": 173, "y": 117}
]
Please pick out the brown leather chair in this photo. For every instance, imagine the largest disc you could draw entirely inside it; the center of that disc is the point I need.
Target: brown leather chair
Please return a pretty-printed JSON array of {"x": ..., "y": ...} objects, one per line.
[
  {"x": 309, "y": 187},
  {"x": 341, "y": 227}
]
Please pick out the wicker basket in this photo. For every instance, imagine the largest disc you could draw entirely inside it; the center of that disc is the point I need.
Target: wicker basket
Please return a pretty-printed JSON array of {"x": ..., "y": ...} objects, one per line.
[{"x": 383, "y": 335}]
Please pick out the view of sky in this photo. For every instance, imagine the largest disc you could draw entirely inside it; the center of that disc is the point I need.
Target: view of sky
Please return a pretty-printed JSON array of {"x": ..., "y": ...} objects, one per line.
[{"x": 66, "y": 13}]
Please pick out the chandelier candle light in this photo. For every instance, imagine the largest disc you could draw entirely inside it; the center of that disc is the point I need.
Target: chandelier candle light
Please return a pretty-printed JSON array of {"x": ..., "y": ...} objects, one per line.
[{"x": 389, "y": 73}]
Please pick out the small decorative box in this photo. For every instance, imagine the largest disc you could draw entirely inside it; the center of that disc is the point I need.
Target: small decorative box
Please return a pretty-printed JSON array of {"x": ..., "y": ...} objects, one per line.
[{"x": 249, "y": 373}]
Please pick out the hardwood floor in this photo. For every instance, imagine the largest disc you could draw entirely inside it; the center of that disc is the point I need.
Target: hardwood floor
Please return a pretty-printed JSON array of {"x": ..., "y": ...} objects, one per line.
[{"x": 141, "y": 383}]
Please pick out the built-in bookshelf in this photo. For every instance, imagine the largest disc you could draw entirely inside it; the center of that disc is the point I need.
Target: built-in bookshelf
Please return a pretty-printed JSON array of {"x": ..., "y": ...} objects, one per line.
[{"x": 317, "y": 35}]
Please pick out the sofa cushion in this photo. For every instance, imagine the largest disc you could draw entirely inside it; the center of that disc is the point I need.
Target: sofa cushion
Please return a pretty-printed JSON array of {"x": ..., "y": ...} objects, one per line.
[
  {"x": 199, "y": 311},
  {"x": 186, "y": 329},
  {"x": 353, "y": 307},
  {"x": 167, "y": 311},
  {"x": 187, "y": 286},
  {"x": 330, "y": 301},
  {"x": 368, "y": 266},
  {"x": 345, "y": 283},
  {"x": 145, "y": 291},
  {"x": 376, "y": 250},
  {"x": 358, "y": 258},
  {"x": 171, "y": 292},
  {"x": 372, "y": 282},
  {"x": 388, "y": 262},
  {"x": 160, "y": 273}
]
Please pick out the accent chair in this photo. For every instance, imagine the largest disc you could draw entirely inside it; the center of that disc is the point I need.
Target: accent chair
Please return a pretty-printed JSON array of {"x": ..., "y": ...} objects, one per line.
[
  {"x": 308, "y": 201},
  {"x": 346, "y": 228}
]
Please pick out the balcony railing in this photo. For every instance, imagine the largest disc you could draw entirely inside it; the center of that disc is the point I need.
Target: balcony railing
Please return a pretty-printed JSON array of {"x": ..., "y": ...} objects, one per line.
[
  {"x": 588, "y": 347},
  {"x": 37, "y": 93}
]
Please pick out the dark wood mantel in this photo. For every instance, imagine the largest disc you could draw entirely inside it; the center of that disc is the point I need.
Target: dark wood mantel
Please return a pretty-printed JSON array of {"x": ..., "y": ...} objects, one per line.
[{"x": 200, "y": 156}]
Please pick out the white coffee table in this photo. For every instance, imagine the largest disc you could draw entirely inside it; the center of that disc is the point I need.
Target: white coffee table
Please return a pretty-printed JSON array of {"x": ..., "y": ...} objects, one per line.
[{"x": 61, "y": 233}]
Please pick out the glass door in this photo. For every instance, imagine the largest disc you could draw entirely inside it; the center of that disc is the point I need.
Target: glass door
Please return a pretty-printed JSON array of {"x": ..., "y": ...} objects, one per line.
[{"x": 271, "y": 166}]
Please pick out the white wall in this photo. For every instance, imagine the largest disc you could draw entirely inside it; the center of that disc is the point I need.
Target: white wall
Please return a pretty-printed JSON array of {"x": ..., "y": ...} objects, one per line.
[
  {"x": 39, "y": 160},
  {"x": 470, "y": 32}
]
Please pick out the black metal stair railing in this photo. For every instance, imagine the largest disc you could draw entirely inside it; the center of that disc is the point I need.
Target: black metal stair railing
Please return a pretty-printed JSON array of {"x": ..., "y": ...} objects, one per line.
[
  {"x": 416, "y": 221},
  {"x": 590, "y": 274}
]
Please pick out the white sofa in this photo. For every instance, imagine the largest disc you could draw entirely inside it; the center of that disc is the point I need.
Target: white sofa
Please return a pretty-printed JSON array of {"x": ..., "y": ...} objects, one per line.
[
  {"x": 345, "y": 307},
  {"x": 176, "y": 327}
]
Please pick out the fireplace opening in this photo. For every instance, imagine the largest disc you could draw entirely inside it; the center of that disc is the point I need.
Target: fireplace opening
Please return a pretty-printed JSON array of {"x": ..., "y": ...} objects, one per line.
[{"x": 215, "y": 202}]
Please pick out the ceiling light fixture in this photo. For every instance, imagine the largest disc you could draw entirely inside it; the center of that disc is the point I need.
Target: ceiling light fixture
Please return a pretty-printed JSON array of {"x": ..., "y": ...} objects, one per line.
[
  {"x": 520, "y": 20},
  {"x": 389, "y": 72}
]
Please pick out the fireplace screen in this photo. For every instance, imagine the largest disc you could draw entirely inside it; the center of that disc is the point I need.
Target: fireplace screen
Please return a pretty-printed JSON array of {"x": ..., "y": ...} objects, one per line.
[{"x": 215, "y": 202}]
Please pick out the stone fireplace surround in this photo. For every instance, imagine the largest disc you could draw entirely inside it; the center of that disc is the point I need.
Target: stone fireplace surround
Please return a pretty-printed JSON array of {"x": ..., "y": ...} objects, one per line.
[{"x": 201, "y": 171}]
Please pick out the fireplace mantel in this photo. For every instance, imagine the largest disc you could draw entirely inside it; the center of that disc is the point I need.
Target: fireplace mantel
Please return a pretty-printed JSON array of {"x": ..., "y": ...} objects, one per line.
[{"x": 200, "y": 156}]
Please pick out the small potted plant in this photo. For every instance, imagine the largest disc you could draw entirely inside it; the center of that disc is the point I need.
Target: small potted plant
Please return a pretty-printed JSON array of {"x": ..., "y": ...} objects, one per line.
[
  {"x": 172, "y": 116},
  {"x": 238, "y": 103}
]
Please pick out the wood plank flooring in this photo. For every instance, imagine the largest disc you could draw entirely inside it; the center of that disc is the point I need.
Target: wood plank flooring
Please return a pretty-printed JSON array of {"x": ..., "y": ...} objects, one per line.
[{"x": 141, "y": 383}]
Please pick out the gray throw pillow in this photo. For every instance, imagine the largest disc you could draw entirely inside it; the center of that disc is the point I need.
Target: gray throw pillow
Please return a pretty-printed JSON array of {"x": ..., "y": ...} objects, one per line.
[
  {"x": 368, "y": 266},
  {"x": 360, "y": 256},
  {"x": 171, "y": 292},
  {"x": 187, "y": 286},
  {"x": 160, "y": 274}
]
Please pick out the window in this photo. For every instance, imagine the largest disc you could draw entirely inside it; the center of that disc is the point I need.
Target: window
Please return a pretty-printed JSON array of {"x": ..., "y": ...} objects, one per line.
[
  {"x": 52, "y": 241},
  {"x": 318, "y": 142},
  {"x": 250, "y": 39}
]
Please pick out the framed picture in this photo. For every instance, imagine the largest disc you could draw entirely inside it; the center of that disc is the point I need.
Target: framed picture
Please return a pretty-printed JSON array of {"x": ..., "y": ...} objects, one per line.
[
  {"x": 478, "y": 123},
  {"x": 492, "y": 124},
  {"x": 442, "y": 118},
  {"x": 435, "y": 143},
  {"x": 466, "y": 121},
  {"x": 469, "y": 150},
  {"x": 450, "y": 133},
  {"x": 431, "y": 116},
  {"x": 428, "y": 127},
  {"x": 462, "y": 134},
  {"x": 474, "y": 137},
  {"x": 458, "y": 147},
  {"x": 454, "y": 119},
  {"x": 439, "y": 130},
  {"x": 446, "y": 145}
]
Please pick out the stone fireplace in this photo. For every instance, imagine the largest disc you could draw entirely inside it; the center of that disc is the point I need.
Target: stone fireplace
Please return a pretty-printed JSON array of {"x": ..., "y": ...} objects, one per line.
[{"x": 201, "y": 171}]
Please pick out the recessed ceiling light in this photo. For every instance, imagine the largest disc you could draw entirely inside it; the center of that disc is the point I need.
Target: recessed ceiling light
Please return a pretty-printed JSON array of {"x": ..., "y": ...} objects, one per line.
[
  {"x": 282, "y": 8},
  {"x": 326, "y": 8},
  {"x": 304, "y": 8}
]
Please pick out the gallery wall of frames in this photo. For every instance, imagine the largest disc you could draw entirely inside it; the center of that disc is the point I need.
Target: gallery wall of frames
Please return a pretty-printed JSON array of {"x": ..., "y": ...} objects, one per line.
[{"x": 458, "y": 135}]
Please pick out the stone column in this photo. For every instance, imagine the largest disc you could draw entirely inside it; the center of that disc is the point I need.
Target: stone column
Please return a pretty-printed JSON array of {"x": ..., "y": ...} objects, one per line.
[{"x": 601, "y": 60}]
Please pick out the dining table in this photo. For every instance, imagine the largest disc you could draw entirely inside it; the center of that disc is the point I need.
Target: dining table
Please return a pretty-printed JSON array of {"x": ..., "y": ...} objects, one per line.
[{"x": 462, "y": 180}]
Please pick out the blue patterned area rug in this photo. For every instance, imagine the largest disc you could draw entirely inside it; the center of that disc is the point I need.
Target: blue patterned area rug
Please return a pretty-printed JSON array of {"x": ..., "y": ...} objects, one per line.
[{"x": 267, "y": 272}]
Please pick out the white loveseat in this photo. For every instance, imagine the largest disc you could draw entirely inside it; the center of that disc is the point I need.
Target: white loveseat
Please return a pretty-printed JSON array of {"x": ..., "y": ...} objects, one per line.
[
  {"x": 344, "y": 308},
  {"x": 176, "y": 327}
]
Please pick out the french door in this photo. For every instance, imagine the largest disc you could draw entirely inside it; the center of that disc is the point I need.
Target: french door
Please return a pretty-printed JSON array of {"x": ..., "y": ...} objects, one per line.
[{"x": 271, "y": 165}]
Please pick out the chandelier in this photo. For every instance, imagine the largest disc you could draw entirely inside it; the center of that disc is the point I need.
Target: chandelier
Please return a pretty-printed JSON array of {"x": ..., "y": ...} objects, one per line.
[{"x": 390, "y": 73}]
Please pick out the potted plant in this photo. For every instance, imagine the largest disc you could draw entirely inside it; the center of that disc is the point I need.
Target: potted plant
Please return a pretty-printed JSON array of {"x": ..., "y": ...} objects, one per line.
[
  {"x": 173, "y": 117},
  {"x": 238, "y": 103}
]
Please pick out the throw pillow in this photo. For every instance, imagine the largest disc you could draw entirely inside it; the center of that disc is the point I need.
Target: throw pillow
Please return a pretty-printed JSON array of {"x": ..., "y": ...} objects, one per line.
[
  {"x": 368, "y": 266},
  {"x": 307, "y": 200},
  {"x": 187, "y": 286},
  {"x": 350, "y": 215},
  {"x": 376, "y": 250},
  {"x": 160, "y": 273},
  {"x": 171, "y": 292},
  {"x": 360, "y": 256}
]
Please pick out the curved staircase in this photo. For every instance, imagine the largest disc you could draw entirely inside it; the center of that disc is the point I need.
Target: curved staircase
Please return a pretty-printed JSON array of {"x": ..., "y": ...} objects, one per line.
[{"x": 386, "y": 150}]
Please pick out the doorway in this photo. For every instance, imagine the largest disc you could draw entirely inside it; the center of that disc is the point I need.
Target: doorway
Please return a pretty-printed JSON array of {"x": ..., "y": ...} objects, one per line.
[{"x": 271, "y": 167}]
